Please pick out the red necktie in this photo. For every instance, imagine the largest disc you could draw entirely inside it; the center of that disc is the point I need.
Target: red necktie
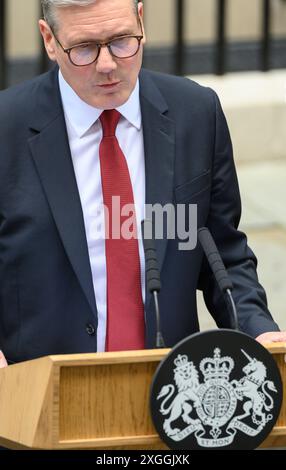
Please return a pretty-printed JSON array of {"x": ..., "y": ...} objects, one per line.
[{"x": 125, "y": 310}]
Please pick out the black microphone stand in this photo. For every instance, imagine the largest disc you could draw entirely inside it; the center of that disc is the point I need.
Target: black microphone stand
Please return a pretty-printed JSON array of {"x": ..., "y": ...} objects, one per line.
[
  {"x": 220, "y": 273},
  {"x": 152, "y": 275}
]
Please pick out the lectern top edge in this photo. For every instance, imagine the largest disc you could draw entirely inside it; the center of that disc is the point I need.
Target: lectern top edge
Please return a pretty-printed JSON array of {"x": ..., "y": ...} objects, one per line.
[
  {"x": 276, "y": 348},
  {"x": 146, "y": 355}
]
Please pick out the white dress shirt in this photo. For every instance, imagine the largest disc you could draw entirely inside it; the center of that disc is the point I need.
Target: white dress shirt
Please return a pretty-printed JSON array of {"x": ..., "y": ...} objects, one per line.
[{"x": 85, "y": 134}]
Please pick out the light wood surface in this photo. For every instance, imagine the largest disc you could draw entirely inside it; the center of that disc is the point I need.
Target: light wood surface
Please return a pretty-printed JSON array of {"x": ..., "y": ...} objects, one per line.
[
  {"x": 92, "y": 401},
  {"x": 83, "y": 401},
  {"x": 277, "y": 438}
]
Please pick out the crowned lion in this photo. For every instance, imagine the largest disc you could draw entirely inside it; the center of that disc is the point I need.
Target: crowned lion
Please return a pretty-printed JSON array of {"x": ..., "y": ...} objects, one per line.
[{"x": 187, "y": 381}]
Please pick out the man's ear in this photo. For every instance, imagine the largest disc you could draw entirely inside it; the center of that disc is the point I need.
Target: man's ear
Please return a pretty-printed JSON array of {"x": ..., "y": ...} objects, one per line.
[
  {"x": 48, "y": 39},
  {"x": 141, "y": 17}
]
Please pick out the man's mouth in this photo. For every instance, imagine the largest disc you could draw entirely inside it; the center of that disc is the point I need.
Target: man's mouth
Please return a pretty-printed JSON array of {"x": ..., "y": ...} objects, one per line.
[{"x": 108, "y": 86}]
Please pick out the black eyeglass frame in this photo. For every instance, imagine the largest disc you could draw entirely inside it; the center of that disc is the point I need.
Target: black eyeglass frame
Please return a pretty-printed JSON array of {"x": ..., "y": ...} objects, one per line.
[{"x": 100, "y": 45}]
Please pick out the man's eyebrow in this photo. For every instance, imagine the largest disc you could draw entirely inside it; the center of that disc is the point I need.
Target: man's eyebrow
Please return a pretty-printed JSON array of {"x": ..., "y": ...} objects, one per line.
[{"x": 97, "y": 41}]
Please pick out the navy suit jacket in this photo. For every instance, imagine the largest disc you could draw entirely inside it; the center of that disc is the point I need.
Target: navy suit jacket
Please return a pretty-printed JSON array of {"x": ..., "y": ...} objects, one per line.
[{"x": 47, "y": 302}]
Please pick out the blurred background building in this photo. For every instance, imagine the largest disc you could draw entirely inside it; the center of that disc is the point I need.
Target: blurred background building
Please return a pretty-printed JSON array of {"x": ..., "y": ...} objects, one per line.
[
  {"x": 184, "y": 36},
  {"x": 238, "y": 47}
]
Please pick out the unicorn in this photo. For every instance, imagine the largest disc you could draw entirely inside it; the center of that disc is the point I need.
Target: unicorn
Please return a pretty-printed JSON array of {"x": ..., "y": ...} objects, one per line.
[{"x": 248, "y": 386}]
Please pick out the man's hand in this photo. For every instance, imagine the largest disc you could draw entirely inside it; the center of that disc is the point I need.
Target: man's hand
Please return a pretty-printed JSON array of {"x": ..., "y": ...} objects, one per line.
[
  {"x": 3, "y": 362},
  {"x": 272, "y": 337}
]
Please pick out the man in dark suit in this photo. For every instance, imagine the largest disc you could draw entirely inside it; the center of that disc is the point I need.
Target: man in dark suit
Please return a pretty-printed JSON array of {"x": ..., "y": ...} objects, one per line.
[{"x": 53, "y": 275}]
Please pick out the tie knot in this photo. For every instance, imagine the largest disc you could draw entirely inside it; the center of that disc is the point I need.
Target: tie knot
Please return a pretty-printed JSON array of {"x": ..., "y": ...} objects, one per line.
[{"x": 109, "y": 120}]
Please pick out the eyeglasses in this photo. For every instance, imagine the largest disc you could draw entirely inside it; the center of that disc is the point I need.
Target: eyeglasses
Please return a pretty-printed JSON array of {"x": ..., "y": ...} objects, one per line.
[{"x": 86, "y": 53}]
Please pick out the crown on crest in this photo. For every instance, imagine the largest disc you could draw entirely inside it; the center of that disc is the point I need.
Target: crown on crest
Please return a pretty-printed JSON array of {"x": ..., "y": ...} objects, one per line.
[
  {"x": 181, "y": 361},
  {"x": 216, "y": 367}
]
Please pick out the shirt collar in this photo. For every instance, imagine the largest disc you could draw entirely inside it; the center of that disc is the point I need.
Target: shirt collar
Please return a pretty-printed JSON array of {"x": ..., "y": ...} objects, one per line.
[{"x": 82, "y": 116}]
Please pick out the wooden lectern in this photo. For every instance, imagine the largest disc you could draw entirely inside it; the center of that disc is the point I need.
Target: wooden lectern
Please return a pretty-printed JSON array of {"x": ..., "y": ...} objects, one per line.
[{"x": 92, "y": 401}]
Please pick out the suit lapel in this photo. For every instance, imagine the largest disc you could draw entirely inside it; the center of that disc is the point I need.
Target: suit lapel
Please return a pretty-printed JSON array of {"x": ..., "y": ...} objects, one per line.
[
  {"x": 159, "y": 144},
  {"x": 51, "y": 154}
]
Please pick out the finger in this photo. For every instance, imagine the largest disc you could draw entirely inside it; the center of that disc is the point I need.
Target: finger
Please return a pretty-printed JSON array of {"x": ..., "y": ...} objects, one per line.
[
  {"x": 3, "y": 362},
  {"x": 272, "y": 337},
  {"x": 281, "y": 338}
]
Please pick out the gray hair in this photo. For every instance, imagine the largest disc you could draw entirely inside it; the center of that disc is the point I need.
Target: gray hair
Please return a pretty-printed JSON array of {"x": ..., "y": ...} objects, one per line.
[{"x": 49, "y": 8}]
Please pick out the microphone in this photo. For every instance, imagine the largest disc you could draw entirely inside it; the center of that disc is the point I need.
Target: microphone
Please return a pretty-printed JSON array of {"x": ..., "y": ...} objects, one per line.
[
  {"x": 152, "y": 274},
  {"x": 220, "y": 273}
]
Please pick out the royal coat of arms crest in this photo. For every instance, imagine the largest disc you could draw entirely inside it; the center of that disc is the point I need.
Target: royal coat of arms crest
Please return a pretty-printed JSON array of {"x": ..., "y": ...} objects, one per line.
[{"x": 216, "y": 409}]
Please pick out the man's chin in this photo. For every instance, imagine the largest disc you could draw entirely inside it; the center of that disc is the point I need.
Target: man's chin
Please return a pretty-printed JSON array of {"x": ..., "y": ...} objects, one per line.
[{"x": 111, "y": 101}]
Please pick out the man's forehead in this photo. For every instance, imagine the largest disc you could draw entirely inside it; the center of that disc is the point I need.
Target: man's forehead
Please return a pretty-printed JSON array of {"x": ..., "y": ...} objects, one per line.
[
  {"x": 101, "y": 16},
  {"x": 99, "y": 8}
]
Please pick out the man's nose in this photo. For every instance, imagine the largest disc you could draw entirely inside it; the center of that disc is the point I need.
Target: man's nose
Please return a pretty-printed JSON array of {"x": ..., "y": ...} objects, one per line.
[{"x": 105, "y": 62}]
